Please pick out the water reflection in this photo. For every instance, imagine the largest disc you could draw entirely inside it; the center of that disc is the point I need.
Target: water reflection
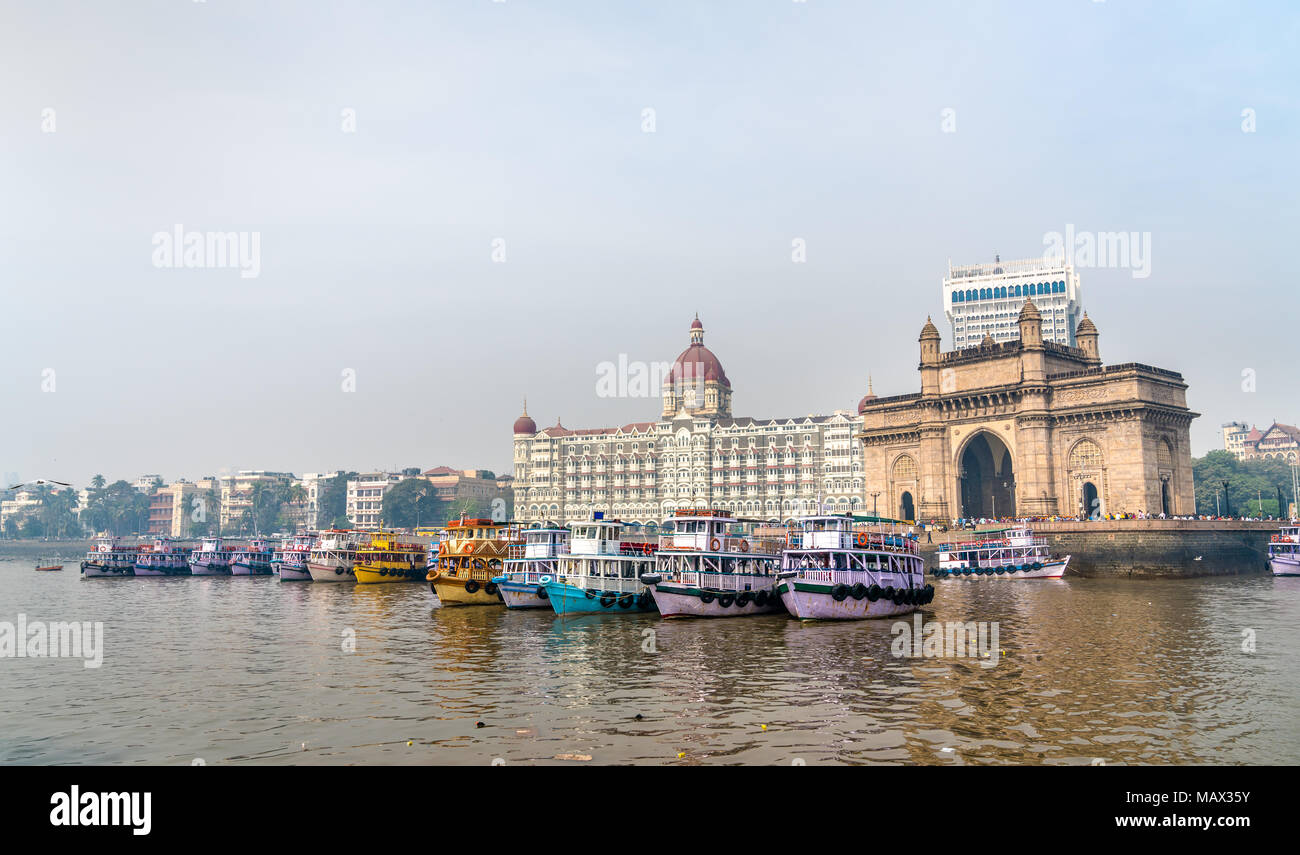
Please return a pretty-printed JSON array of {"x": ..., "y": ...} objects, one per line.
[{"x": 256, "y": 670}]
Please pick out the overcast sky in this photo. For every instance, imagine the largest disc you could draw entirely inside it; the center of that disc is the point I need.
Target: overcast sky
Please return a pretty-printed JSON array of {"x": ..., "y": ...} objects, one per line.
[{"x": 377, "y": 150}]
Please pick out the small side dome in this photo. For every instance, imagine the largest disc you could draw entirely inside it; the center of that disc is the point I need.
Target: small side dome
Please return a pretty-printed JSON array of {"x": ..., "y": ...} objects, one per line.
[
  {"x": 525, "y": 423},
  {"x": 988, "y": 340},
  {"x": 867, "y": 398},
  {"x": 695, "y": 324},
  {"x": 1086, "y": 326},
  {"x": 1029, "y": 312},
  {"x": 929, "y": 331}
]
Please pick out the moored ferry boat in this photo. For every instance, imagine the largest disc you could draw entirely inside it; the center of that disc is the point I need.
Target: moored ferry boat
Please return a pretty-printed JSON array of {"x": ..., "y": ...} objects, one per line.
[
  {"x": 387, "y": 559},
  {"x": 1284, "y": 552},
  {"x": 290, "y": 563},
  {"x": 212, "y": 558},
  {"x": 525, "y": 565},
  {"x": 601, "y": 571},
  {"x": 162, "y": 557},
  {"x": 332, "y": 558},
  {"x": 713, "y": 565},
  {"x": 837, "y": 568},
  {"x": 253, "y": 559},
  {"x": 1016, "y": 554},
  {"x": 109, "y": 558},
  {"x": 471, "y": 553}
]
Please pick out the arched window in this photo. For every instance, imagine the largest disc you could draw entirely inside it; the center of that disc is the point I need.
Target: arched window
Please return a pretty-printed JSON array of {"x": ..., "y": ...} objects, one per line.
[
  {"x": 1164, "y": 455},
  {"x": 1086, "y": 454},
  {"x": 904, "y": 468}
]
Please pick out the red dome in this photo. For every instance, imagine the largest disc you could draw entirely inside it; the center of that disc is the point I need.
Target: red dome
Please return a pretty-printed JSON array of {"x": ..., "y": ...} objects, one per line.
[
  {"x": 695, "y": 359},
  {"x": 525, "y": 423},
  {"x": 696, "y": 325}
]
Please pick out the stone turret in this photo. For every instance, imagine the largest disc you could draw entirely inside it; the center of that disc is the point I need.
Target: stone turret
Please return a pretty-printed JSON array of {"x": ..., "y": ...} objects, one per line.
[
  {"x": 1086, "y": 336},
  {"x": 929, "y": 358},
  {"x": 1033, "y": 356}
]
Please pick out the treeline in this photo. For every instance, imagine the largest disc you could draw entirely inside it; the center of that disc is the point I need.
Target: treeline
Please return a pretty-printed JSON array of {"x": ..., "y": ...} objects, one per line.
[{"x": 1258, "y": 487}]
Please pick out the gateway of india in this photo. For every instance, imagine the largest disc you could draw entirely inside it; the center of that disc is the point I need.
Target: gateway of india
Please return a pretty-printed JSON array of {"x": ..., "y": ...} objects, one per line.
[
  {"x": 1018, "y": 428},
  {"x": 1030, "y": 428}
]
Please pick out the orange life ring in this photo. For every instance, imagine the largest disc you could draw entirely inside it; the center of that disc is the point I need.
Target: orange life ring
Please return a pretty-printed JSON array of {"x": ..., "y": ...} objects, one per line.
[
  {"x": 862, "y": 540},
  {"x": 744, "y": 545},
  {"x": 713, "y": 544}
]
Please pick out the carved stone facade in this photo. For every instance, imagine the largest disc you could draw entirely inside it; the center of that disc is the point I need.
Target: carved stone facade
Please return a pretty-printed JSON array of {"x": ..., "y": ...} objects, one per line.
[{"x": 1029, "y": 428}]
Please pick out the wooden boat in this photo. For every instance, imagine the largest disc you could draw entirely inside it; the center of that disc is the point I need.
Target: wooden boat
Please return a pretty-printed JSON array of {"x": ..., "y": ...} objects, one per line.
[
  {"x": 835, "y": 567},
  {"x": 1010, "y": 554},
  {"x": 48, "y": 567},
  {"x": 1284, "y": 552},
  {"x": 601, "y": 571},
  {"x": 538, "y": 556},
  {"x": 386, "y": 559},
  {"x": 471, "y": 553},
  {"x": 332, "y": 558},
  {"x": 109, "y": 558},
  {"x": 712, "y": 564}
]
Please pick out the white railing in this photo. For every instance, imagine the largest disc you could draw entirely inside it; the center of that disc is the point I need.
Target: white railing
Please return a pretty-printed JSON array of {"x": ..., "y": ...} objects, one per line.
[
  {"x": 616, "y": 584},
  {"x": 721, "y": 543},
  {"x": 725, "y": 581}
]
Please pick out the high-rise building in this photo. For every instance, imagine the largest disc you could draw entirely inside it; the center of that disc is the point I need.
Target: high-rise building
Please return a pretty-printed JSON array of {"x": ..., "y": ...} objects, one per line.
[
  {"x": 1234, "y": 437},
  {"x": 983, "y": 301},
  {"x": 696, "y": 455}
]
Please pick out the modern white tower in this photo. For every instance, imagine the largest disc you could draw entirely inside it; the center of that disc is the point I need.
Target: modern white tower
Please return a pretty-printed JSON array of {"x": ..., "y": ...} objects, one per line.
[{"x": 985, "y": 300}]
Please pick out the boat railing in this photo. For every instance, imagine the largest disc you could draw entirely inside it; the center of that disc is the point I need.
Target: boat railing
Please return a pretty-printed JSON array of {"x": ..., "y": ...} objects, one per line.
[
  {"x": 702, "y": 542},
  {"x": 846, "y": 577},
  {"x": 615, "y": 584},
  {"x": 725, "y": 581},
  {"x": 852, "y": 540}
]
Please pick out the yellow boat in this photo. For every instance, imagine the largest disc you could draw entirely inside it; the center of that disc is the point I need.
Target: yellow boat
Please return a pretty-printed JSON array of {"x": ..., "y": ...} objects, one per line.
[
  {"x": 385, "y": 559},
  {"x": 470, "y": 554}
]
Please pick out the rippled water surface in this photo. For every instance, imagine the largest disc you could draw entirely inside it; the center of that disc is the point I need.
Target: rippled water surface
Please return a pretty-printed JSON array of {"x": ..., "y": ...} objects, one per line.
[{"x": 254, "y": 671}]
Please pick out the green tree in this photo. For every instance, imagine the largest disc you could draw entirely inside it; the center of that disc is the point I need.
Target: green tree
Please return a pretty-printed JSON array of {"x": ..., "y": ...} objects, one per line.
[
  {"x": 332, "y": 501},
  {"x": 1248, "y": 482},
  {"x": 411, "y": 502}
]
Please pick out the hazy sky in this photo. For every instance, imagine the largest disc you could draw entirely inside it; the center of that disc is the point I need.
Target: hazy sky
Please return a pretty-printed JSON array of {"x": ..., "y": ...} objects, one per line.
[{"x": 524, "y": 121}]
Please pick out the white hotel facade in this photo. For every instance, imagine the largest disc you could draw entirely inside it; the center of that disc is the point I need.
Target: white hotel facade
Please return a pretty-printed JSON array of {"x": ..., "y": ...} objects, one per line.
[
  {"x": 696, "y": 455},
  {"x": 985, "y": 300}
]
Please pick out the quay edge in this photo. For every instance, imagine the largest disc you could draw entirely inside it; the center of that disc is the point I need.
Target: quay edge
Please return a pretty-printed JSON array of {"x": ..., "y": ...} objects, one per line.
[{"x": 1148, "y": 549}]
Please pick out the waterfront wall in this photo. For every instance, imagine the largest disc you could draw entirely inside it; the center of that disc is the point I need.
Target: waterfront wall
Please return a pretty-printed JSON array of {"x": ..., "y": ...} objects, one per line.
[{"x": 1150, "y": 548}]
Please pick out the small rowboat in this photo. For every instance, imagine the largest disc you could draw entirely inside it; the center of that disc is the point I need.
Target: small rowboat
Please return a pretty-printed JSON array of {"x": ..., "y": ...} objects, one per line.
[{"x": 49, "y": 566}]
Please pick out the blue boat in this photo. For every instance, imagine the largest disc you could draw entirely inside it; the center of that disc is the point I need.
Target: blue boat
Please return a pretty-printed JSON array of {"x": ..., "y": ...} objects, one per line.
[
  {"x": 527, "y": 564},
  {"x": 601, "y": 572}
]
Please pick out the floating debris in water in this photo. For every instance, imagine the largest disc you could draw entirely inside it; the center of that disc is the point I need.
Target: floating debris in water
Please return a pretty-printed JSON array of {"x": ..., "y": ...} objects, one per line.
[
  {"x": 638, "y": 716},
  {"x": 583, "y": 757},
  {"x": 479, "y": 724}
]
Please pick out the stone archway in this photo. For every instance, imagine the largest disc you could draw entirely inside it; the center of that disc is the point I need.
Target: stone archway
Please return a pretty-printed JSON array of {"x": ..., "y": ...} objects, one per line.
[
  {"x": 986, "y": 476},
  {"x": 1091, "y": 507},
  {"x": 907, "y": 507}
]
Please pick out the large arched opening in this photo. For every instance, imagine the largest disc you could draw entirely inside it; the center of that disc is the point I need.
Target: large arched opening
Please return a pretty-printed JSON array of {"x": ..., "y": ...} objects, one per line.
[
  {"x": 1091, "y": 509},
  {"x": 987, "y": 476},
  {"x": 907, "y": 508}
]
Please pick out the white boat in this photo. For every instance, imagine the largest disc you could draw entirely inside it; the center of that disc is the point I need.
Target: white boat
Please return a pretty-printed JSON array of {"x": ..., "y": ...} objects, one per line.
[
  {"x": 1010, "y": 554},
  {"x": 290, "y": 562},
  {"x": 212, "y": 558},
  {"x": 252, "y": 560},
  {"x": 162, "y": 557},
  {"x": 601, "y": 571},
  {"x": 1284, "y": 552},
  {"x": 711, "y": 564},
  {"x": 527, "y": 563},
  {"x": 835, "y": 567},
  {"x": 109, "y": 558},
  {"x": 332, "y": 558}
]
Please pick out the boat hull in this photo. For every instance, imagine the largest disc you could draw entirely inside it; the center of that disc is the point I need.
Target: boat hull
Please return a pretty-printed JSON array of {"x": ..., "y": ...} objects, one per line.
[
  {"x": 377, "y": 576},
  {"x": 567, "y": 599},
  {"x": 330, "y": 572},
  {"x": 239, "y": 569},
  {"x": 813, "y": 601},
  {"x": 453, "y": 592},
  {"x": 91, "y": 570},
  {"x": 682, "y": 601},
  {"x": 1284, "y": 565},
  {"x": 518, "y": 595},
  {"x": 153, "y": 572},
  {"x": 213, "y": 568},
  {"x": 294, "y": 573},
  {"x": 1049, "y": 570}
]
